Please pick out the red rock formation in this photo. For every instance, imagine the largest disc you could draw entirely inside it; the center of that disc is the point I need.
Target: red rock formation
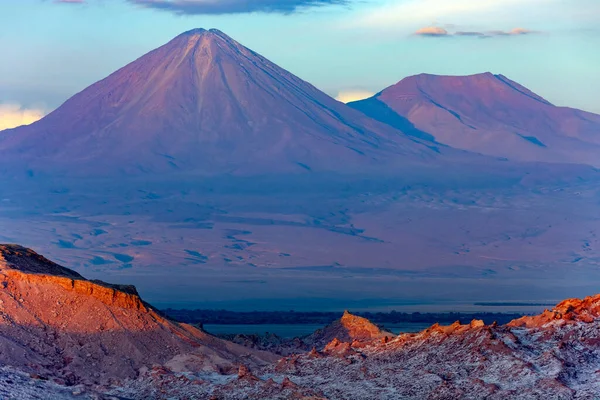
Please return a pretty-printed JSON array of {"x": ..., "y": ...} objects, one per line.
[
  {"x": 571, "y": 310},
  {"x": 245, "y": 374},
  {"x": 56, "y": 323},
  {"x": 551, "y": 355},
  {"x": 350, "y": 328},
  {"x": 96, "y": 335}
]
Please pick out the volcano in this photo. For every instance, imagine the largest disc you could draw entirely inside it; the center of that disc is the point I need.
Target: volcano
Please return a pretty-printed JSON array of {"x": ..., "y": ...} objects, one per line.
[
  {"x": 207, "y": 104},
  {"x": 488, "y": 114}
]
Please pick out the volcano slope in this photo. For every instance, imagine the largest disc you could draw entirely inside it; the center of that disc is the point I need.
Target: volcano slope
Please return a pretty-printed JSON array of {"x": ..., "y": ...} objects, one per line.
[
  {"x": 204, "y": 104},
  {"x": 207, "y": 158},
  {"x": 58, "y": 325},
  {"x": 489, "y": 114}
]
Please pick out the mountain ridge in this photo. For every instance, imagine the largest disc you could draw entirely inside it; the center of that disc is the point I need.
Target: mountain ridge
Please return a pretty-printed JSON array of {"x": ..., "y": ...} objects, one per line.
[
  {"x": 489, "y": 114},
  {"x": 54, "y": 322},
  {"x": 203, "y": 102}
]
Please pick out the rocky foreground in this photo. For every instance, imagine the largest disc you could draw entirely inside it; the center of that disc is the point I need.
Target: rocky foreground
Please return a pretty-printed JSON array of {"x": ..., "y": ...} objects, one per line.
[{"x": 65, "y": 337}]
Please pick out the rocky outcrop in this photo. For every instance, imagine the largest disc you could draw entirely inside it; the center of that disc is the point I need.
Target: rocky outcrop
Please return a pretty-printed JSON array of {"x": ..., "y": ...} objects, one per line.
[
  {"x": 55, "y": 323},
  {"x": 18, "y": 263},
  {"x": 552, "y": 355},
  {"x": 349, "y": 328},
  {"x": 64, "y": 330},
  {"x": 585, "y": 310}
]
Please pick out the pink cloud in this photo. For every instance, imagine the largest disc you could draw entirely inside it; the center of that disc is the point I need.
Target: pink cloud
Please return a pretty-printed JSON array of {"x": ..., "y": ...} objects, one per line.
[{"x": 432, "y": 31}]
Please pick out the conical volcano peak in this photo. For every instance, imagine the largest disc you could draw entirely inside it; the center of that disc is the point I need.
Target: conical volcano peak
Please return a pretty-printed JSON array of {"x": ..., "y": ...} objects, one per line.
[
  {"x": 193, "y": 32},
  {"x": 205, "y": 103},
  {"x": 200, "y": 31},
  {"x": 203, "y": 33},
  {"x": 209, "y": 42}
]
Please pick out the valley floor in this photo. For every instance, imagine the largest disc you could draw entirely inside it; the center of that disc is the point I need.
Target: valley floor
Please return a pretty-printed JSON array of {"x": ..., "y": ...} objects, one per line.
[{"x": 404, "y": 248}]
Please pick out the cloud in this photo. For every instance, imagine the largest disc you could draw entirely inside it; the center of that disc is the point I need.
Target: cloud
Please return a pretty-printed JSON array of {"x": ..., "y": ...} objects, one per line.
[
  {"x": 521, "y": 31},
  {"x": 346, "y": 96},
  {"x": 390, "y": 16},
  {"x": 462, "y": 33},
  {"x": 13, "y": 115},
  {"x": 218, "y": 7},
  {"x": 431, "y": 31}
]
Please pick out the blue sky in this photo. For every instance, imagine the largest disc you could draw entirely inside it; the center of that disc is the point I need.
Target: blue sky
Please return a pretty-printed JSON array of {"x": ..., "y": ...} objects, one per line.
[{"x": 52, "y": 49}]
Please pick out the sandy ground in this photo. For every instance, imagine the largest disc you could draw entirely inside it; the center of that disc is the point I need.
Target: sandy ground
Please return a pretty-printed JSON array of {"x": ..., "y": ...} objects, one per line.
[{"x": 404, "y": 248}]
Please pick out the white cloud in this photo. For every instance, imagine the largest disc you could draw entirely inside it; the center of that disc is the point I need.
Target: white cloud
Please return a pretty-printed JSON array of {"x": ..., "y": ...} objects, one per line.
[
  {"x": 346, "y": 96},
  {"x": 435, "y": 31},
  {"x": 13, "y": 115},
  {"x": 394, "y": 14}
]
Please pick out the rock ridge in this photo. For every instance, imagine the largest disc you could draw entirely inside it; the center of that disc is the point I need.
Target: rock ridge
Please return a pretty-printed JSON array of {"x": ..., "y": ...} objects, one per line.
[{"x": 23, "y": 264}]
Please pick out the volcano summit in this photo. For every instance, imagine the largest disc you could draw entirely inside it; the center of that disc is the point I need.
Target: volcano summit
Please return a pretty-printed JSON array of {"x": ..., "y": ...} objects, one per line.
[{"x": 204, "y": 103}]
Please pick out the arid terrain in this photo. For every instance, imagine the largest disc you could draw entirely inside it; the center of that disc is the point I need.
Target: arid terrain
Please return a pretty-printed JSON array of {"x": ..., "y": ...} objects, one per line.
[
  {"x": 65, "y": 337},
  {"x": 343, "y": 200},
  {"x": 210, "y": 177},
  {"x": 241, "y": 250}
]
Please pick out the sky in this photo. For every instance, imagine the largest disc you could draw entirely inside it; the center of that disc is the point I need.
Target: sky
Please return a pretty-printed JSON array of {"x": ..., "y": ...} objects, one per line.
[{"x": 351, "y": 49}]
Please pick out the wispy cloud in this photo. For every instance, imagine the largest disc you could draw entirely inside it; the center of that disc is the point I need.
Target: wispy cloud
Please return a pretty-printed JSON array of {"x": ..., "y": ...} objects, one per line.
[
  {"x": 434, "y": 31},
  {"x": 13, "y": 115},
  {"x": 390, "y": 14},
  {"x": 218, "y": 7}
]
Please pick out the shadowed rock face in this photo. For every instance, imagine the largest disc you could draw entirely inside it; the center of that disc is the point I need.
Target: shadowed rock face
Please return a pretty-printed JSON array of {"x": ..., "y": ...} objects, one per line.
[
  {"x": 489, "y": 114},
  {"x": 55, "y": 323},
  {"x": 207, "y": 104},
  {"x": 22, "y": 259}
]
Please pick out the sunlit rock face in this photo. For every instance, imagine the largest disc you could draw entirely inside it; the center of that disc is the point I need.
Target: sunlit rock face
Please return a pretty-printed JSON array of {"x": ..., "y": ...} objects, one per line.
[
  {"x": 554, "y": 355},
  {"x": 64, "y": 330},
  {"x": 350, "y": 328},
  {"x": 490, "y": 114},
  {"x": 204, "y": 103},
  {"x": 55, "y": 323}
]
